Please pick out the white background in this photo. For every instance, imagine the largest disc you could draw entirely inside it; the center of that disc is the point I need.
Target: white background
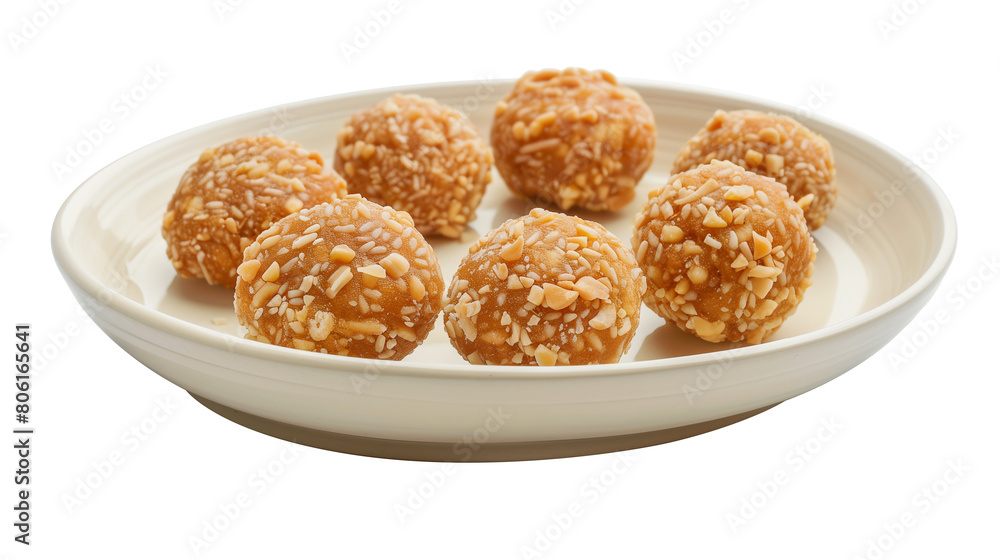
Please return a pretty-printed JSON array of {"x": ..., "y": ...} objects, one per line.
[{"x": 927, "y": 73}]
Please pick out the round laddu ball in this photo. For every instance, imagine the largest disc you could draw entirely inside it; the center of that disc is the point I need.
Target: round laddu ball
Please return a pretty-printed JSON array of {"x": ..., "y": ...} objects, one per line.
[
  {"x": 573, "y": 138},
  {"x": 545, "y": 289},
  {"x": 726, "y": 252},
  {"x": 773, "y": 146},
  {"x": 419, "y": 156},
  {"x": 231, "y": 194},
  {"x": 349, "y": 277}
]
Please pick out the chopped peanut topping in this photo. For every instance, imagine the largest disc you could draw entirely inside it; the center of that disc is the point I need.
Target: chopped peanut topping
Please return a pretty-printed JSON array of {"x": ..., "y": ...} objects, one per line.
[
  {"x": 557, "y": 297},
  {"x": 697, "y": 274},
  {"x": 761, "y": 246},
  {"x": 590, "y": 289},
  {"x": 671, "y": 234},
  {"x": 761, "y": 286},
  {"x": 302, "y": 344},
  {"x": 536, "y": 295},
  {"x": 272, "y": 273},
  {"x": 763, "y": 272},
  {"x": 544, "y": 356},
  {"x": 774, "y": 163},
  {"x": 713, "y": 220},
  {"x": 739, "y": 193},
  {"x": 248, "y": 269},
  {"x": 373, "y": 270},
  {"x": 512, "y": 251},
  {"x": 342, "y": 253},
  {"x": 265, "y": 293},
  {"x": 604, "y": 318},
  {"x": 765, "y": 309},
  {"x": 395, "y": 265},
  {"x": 770, "y": 135},
  {"x": 500, "y": 270},
  {"x": 709, "y": 330}
]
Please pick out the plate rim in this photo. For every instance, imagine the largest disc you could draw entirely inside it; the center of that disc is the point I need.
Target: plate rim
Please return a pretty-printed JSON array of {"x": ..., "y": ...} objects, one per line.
[{"x": 74, "y": 271}]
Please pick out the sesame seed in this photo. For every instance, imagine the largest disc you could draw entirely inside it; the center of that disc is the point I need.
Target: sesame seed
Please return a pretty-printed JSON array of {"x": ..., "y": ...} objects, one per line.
[
  {"x": 338, "y": 280},
  {"x": 304, "y": 240}
]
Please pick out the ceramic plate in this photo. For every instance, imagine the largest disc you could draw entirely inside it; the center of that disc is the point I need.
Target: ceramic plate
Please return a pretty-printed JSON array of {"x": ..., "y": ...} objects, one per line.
[{"x": 882, "y": 252}]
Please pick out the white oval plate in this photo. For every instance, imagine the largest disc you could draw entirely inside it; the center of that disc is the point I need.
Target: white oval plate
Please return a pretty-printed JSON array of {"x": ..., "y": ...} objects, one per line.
[{"x": 883, "y": 251}]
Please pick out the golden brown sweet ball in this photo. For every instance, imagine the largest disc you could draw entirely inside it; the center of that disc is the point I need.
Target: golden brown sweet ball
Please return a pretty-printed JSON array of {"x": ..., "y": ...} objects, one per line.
[
  {"x": 773, "y": 146},
  {"x": 231, "y": 194},
  {"x": 573, "y": 138},
  {"x": 545, "y": 289},
  {"x": 349, "y": 277},
  {"x": 419, "y": 156},
  {"x": 726, "y": 252}
]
